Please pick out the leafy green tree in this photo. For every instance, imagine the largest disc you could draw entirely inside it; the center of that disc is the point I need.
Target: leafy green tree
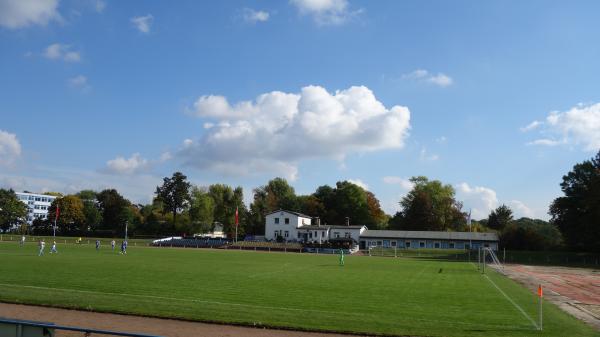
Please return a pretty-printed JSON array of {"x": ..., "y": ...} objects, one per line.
[
  {"x": 577, "y": 213},
  {"x": 113, "y": 208},
  {"x": 500, "y": 218},
  {"x": 276, "y": 194},
  {"x": 93, "y": 217},
  {"x": 71, "y": 217},
  {"x": 311, "y": 205},
  {"x": 377, "y": 217},
  {"x": 331, "y": 213},
  {"x": 154, "y": 221},
  {"x": 431, "y": 206},
  {"x": 54, "y": 194},
  {"x": 351, "y": 202},
  {"x": 530, "y": 234},
  {"x": 87, "y": 195},
  {"x": 12, "y": 211},
  {"x": 202, "y": 208},
  {"x": 226, "y": 201},
  {"x": 174, "y": 193}
]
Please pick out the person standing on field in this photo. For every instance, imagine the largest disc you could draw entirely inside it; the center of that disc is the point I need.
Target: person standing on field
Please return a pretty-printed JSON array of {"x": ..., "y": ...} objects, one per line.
[
  {"x": 42, "y": 245},
  {"x": 112, "y": 244},
  {"x": 53, "y": 249},
  {"x": 22, "y": 240},
  {"x": 97, "y": 244}
]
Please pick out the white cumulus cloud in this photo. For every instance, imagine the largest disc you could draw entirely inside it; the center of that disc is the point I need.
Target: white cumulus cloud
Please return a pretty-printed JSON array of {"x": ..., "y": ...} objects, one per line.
[
  {"x": 99, "y": 6},
  {"x": 10, "y": 148},
  {"x": 439, "y": 79},
  {"x": 253, "y": 16},
  {"x": 120, "y": 165},
  {"x": 143, "y": 23},
  {"x": 23, "y": 13},
  {"x": 78, "y": 81},
  {"x": 277, "y": 130},
  {"x": 531, "y": 126},
  {"x": 426, "y": 156},
  {"x": 405, "y": 184},
  {"x": 520, "y": 209},
  {"x": 326, "y": 12},
  {"x": 578, "y": 126},
  {"x": 57, "y": 51},
  {"x": 481, "y": 200}
]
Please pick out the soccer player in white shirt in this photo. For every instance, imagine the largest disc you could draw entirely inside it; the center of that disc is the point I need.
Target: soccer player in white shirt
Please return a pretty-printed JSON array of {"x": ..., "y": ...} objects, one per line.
[{"x": 42, "y": 245}]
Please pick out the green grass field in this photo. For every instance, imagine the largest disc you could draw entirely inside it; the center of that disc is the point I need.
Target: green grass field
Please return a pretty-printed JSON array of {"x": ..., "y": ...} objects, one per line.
[{"x": 394, "y": 296}]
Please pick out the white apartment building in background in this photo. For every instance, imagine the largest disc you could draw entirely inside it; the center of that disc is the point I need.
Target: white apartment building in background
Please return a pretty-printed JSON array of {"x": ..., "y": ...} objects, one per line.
[{"x": 37, "y": 205}]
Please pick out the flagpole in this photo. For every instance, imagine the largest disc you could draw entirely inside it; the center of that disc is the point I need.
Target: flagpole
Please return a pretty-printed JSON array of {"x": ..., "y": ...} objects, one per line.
[
  {"x": 57, "y": 212},
  {"x": 470, "y": 236},
  {"x": 236, "y": 223}
]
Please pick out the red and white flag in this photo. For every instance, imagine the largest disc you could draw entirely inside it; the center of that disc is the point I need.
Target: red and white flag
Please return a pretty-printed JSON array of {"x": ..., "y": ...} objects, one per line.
[
  {"x": 57, "y": 213},
  {"x": 237, "y": 218}
]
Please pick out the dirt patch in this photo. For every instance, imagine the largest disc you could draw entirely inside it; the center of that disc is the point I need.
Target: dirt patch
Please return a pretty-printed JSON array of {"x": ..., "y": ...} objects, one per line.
[
  {"x": 575, "y": 290},
  {"x": 136, "y": 324}
]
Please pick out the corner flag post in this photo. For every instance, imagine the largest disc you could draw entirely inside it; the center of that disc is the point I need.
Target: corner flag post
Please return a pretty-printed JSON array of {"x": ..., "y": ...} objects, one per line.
[{"x": 540, "y": 295}]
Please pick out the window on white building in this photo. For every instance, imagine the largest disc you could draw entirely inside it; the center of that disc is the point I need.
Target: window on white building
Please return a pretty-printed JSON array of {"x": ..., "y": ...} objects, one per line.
[
  {"x": 336, "y": 234},
  {"x": 421, "y": 244},
  {"x": 347, "y": 235},
  {"x": 276, "y": 220},
  {"x": 451, "y": 245},
  {"x": 287, "y": 221},
  {"x": 394, "y": 243},
  {"x": 286, "y": 234}
]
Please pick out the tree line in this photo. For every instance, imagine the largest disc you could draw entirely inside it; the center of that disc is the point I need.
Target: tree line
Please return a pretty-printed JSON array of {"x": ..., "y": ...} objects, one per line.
[{"x": 179, "y": 207}]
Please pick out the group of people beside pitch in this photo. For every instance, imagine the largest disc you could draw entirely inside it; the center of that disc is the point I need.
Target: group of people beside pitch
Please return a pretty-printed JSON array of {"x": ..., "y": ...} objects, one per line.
[{"x": 53, "y": 250}]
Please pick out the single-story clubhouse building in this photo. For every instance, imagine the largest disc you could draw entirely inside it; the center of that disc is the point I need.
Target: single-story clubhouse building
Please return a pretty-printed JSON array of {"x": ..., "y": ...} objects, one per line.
[
  {"x": 428, "y": 239},
  {"x": 297, "y": 227}
]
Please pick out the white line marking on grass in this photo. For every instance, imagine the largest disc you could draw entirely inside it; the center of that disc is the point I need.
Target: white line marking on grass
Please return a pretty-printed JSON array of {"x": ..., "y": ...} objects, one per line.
[
  {"x": 513, "y": 302},
  {"x": 337, "y": 313},
  {"x": 181, "y": 299}
]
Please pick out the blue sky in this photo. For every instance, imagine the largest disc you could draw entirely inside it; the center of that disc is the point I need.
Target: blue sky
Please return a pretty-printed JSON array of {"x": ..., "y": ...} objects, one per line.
[{"x": 498, "y": 98}]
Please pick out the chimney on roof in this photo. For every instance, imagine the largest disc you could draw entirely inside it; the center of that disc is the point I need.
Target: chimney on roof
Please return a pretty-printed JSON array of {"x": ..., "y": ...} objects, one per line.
[
  {"x": 347, "y": 221},
  {"x": 318, "y": 221}
]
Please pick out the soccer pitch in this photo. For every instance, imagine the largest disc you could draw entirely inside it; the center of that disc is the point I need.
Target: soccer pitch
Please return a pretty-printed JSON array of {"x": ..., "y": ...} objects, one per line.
[{"x": 389, "y": 296}]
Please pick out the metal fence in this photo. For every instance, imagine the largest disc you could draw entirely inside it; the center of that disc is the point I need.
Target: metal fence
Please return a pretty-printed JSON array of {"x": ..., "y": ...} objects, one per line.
[{"x": 19, "y": 328}]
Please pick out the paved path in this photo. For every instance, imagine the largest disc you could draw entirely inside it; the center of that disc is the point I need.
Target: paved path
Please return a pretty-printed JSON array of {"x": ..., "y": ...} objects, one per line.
[{"x": 575, "y": 290}]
